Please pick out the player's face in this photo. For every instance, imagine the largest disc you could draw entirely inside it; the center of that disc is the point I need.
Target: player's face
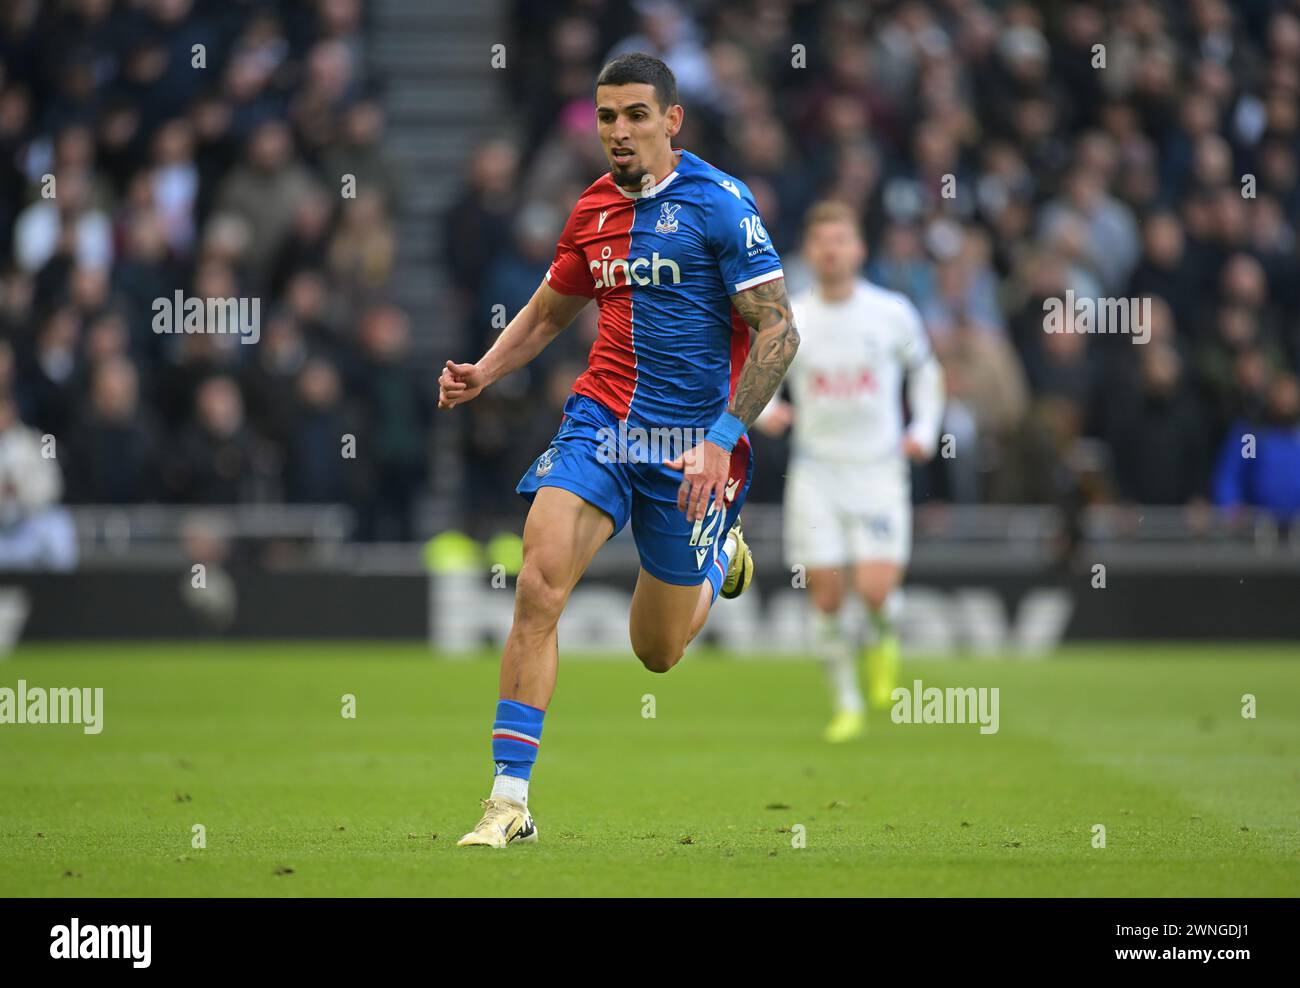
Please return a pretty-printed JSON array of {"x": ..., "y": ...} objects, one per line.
[
  {"x": 834, "y": 251},
  {"x": 636, "y": 132}
]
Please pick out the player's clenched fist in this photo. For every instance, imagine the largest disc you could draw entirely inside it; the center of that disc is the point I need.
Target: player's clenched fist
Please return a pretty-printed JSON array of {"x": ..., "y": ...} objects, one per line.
[
  {"x": 706, "y": 467},
  {"x": 459, "y": 383}
]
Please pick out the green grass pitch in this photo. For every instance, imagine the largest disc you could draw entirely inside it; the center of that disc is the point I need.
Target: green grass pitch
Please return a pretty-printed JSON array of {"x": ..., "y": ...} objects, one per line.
[{"x": 705, "y": 798}]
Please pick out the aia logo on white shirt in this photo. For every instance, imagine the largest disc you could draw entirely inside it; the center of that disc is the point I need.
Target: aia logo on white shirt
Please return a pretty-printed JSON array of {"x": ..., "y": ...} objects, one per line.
[{"x": 842, "y": 383}]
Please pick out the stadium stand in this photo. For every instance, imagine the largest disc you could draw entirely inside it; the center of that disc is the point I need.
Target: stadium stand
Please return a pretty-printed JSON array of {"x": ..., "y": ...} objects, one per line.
[{"x": 994, "y": 167}]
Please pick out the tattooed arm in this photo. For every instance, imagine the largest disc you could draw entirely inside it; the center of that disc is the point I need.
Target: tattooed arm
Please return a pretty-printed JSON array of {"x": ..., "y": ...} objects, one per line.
[{"x": 766, "y": 307}]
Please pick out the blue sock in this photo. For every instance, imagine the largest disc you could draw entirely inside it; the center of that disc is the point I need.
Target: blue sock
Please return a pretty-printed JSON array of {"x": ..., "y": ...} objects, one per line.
[
  {"x": 516, "y": 735},
  {"x": 718, "y": 571}
]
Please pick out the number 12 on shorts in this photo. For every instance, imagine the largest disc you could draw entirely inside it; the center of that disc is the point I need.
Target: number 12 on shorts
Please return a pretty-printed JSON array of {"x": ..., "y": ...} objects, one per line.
[{"x": 701, "y": 536}]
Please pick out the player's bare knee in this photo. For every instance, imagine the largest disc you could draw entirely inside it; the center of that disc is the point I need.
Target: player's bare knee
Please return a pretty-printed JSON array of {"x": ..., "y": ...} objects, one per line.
[
  {"x": 656, "y": 654},
  {"x": 659, "y": 659},
  {"x": 875, "y": 595},
  {"x": 876, "y": 601},
  {"x": 826, "y": 589},
  {"x": 537, "y": 597},
  {"x": 827, "y": 595},
  {"x": 828, "y": 603}
]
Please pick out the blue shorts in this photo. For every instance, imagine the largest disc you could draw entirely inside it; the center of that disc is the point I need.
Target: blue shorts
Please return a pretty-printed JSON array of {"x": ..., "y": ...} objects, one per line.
[{"x": 584, "y": 457}]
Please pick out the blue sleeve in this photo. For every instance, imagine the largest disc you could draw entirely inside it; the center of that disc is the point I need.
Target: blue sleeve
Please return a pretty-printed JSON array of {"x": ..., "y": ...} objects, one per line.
[
  {"x": 744, "y": 251},
  {"x": 1230, "y": 470}
]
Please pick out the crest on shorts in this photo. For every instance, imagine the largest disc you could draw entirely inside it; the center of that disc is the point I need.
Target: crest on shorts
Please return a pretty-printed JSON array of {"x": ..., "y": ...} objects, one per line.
[
  {"x": 546, "y": 461},
  {"x": 668, "y": 218}
]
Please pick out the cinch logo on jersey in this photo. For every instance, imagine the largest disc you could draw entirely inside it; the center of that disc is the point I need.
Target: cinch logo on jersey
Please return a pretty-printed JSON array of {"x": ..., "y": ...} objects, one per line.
[
  {"x": 606, "y": 270},
  {"x": 77, "y": 942}
]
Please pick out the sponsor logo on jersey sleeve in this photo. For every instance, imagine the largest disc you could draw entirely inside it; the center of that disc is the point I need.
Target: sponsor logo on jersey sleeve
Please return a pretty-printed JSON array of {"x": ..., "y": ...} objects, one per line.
[{"x": 756, "y": 239}]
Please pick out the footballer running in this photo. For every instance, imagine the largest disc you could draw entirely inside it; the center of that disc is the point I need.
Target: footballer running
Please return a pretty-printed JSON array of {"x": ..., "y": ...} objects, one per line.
[
  {"x": 677, "y": 259},
  {"x": 848, "y": 508}
]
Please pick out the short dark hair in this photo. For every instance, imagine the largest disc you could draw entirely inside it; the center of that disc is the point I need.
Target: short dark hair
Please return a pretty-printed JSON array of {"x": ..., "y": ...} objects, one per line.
[{"x": 639, "y": 67}]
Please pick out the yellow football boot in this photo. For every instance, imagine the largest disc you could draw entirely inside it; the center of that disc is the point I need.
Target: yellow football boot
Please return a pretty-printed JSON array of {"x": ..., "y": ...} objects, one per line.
[
  {"x": 846, "y": 725},
  {"x": 741, "y": 571},
  {"x": 881, "y": 670}
]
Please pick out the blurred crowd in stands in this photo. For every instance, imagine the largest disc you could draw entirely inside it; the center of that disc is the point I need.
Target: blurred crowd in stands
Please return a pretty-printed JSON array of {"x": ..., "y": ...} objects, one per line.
[
  {"x": 155, "y": 146},
  {"x": 996, "y": 155},
  {"x": 997, "y": 158}
]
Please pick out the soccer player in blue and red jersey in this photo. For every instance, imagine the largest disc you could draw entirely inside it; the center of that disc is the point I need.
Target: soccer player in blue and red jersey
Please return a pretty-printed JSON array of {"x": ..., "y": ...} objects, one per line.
[{"x": 677, "y": 259}]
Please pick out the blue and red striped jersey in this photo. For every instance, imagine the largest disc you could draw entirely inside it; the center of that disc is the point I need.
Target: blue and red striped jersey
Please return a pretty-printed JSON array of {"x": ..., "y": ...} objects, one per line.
[{"x": 662, "y": 265}]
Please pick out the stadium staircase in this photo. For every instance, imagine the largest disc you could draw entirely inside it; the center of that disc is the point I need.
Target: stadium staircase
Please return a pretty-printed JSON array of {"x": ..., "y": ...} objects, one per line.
[{"x": 441, "y": 100}]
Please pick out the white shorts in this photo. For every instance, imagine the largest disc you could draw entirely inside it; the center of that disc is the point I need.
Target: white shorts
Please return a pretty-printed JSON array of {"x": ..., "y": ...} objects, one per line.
[{"x": 838, "y": 514}]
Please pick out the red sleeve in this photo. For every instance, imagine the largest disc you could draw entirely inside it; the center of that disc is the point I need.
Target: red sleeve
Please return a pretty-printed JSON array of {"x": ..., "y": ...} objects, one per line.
[{"x": 569, "y": 273}]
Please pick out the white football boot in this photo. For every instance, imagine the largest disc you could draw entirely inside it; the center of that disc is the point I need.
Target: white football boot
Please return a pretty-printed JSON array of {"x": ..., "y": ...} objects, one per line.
[{"x": 504, "y": 822}]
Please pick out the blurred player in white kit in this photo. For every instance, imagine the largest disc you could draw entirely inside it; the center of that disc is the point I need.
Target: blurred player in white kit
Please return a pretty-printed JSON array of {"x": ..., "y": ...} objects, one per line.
[{"x": 848, "y": 514}]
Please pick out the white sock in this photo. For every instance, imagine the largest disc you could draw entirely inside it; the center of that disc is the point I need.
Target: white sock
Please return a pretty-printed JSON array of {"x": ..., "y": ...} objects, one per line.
[
  {"x": 511, "y": 788},
  {"x": 832, "y": 647}
]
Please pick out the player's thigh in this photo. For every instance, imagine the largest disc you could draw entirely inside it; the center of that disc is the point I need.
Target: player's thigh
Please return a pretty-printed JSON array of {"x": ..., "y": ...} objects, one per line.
[
  {"x": 677, "y": 555},
  {"x": 672, "y": 549},
  {"x": 561, "y": 536},
  {"x": 881, "y": 544},
  {"x": 660, "y": 622},
  {"x": 815, "y": 537}
]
